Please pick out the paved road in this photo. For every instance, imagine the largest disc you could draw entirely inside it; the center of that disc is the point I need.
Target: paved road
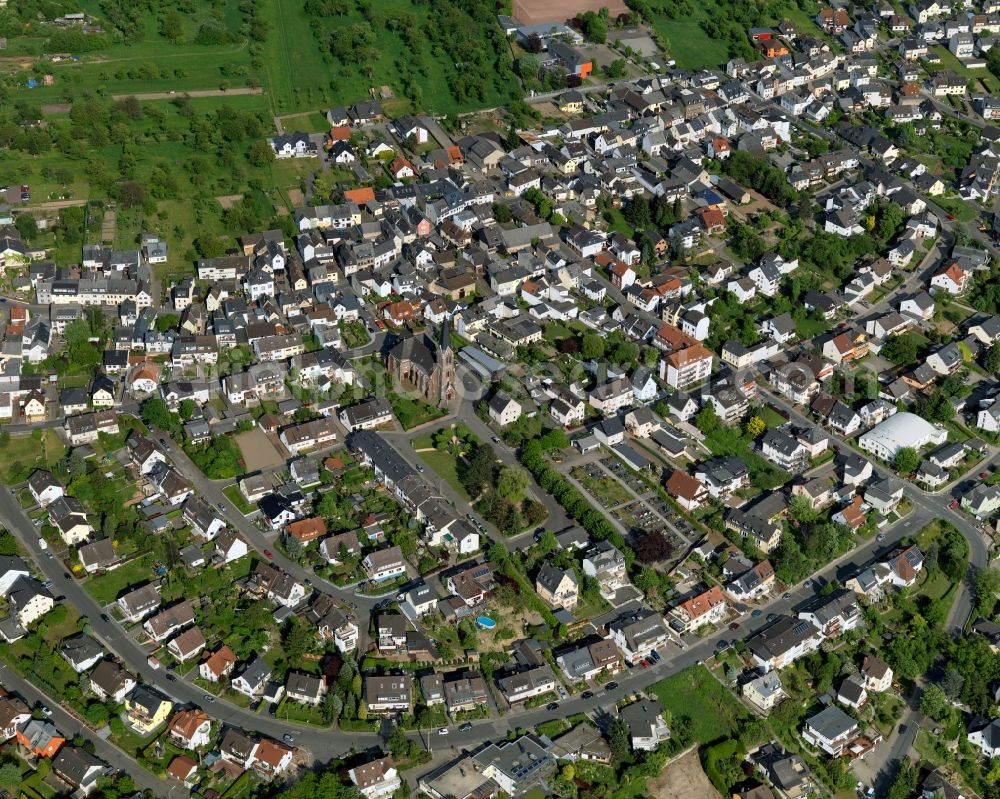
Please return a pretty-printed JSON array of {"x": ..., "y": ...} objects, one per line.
[
  {"x": 927, "y": 507},
  {"x": 70, "y": 727}
]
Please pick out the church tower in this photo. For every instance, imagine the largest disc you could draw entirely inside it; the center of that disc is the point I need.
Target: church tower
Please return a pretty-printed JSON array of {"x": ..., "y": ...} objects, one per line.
[{"x": 446, "y": 365}]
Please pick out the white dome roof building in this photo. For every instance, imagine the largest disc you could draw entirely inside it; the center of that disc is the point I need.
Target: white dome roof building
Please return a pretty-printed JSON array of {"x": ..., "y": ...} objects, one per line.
[{"x": 898, "y": 431}]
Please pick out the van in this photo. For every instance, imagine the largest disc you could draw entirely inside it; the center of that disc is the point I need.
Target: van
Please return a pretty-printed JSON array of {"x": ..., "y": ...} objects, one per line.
[{"x": 43, "y": 544}]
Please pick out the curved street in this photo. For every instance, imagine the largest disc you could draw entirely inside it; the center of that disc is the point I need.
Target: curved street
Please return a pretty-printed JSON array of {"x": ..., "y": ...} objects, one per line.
[{"x": 325, "y": 744}]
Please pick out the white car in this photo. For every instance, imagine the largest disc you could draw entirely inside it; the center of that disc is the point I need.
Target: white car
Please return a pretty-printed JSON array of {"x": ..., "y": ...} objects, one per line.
[{"x": 443, "y": 731}]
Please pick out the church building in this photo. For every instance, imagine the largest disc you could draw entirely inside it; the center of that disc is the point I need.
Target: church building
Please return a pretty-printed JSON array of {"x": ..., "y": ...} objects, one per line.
[{"x": 428, "y": 365}]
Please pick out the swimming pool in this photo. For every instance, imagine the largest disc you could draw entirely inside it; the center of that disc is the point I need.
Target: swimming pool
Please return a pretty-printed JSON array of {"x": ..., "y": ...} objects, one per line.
[{"x": 486, "y": 622}]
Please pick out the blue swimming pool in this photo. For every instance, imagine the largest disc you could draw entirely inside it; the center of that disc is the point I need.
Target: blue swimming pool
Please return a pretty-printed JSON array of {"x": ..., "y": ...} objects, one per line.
[{"x": 486, "y": 622}]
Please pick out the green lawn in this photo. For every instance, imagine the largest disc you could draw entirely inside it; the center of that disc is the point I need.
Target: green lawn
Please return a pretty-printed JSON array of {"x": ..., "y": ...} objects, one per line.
[
  {"x": 412, "y": 412},
  {"x": 447, "y": 467},
  {"x": 807, "y": 327},
  {"x": 232, "y": 493},
  {"x": 22, "y": 454},
  {"x": 960, "y": 209},
  {"x": 688, "y": 44},
  {"x": 950, "y": 62},
  {"x": 304, "y": 714},
  {"x": 694, "y": 693},
  {"x": 109, "y": 586},
  {"x": 771, "y": 417},
  {"x": 617, "y": 223}
]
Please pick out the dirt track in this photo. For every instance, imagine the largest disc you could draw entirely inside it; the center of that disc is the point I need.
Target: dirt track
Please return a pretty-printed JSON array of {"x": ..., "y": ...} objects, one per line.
[{"x": 196, "y": 93}]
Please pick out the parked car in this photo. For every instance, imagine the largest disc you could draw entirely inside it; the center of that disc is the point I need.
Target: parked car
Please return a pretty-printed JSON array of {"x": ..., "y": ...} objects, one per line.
[{"x": 443, "y": 731}]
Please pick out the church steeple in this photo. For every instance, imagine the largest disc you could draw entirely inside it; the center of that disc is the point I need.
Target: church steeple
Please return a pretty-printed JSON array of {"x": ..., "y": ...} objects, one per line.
[
  {"x": 445, "y": 342},
  {"x": 445, "y": 365}
]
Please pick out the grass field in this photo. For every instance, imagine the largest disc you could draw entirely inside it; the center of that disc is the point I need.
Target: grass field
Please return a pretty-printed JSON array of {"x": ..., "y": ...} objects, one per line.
[
  {"x": 412, "y": 412},
  {"x": 110, "y": 585},
  {"x": 693, "y": 48},
  {"x": 697, "y": 695},
  {"x": 961, "y": 210},
  {"x": 25, "y": 453},
  {"x": 950, "y": 62},
  {"x": 297, "y": 76},
  {"x": 302, "y": 79},
  {"x": 688, "y": 44},
  {"x": 446, "y": 466}
]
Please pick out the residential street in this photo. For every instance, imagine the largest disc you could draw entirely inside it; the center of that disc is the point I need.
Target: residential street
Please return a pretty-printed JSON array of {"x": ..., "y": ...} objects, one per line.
[{"x": 326, "y": 744}]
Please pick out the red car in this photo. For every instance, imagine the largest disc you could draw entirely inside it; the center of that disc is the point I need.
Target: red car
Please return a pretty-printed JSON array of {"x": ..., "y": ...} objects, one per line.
[
  {"x": 644, "y": 664},
  {"x": 950, "y": 217},
  {"x": 984, "y": 475},
  {"x": 268, "y": 554},
  {"x": 954, "y": 504}
]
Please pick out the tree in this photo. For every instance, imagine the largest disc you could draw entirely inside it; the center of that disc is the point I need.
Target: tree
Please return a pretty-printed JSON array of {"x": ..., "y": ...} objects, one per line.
[
  {"x": 934, "y": 703},
  {"x": 653, "y": 547},
  {"x": 907, "y": 460},
  {"x": 595, "y": 28},
  {"x": 706, "y": 420},
  {"x": 755, "y": 426},
  {"x": 398, "y": 743},
  {"x": 952, "y": 682},
  {"x": 992, "y": 360},
  {"x": 296, "y": 641},
  {"x": 210, "y": 246},
  {"x": 502, "y": 213},
  {"x": 97, "y": 714},
  {"x": 592, "y": 347},
  {"x": 131, "y": 194},
  {"x": 637, "y": 212},
  {"x": 333, "y": 706},
  {"x": 555, "y": 439},
  {"x": 187, "y": 409},
  {"x": 619, "y": 739},
  {"x": 801, "y": 511},
  {"x": 10, "y": 775},
  {"x": 26, "y": 226},
  {"x": 616, "y": 69},
  {"x": 260, "y": 154},
  {"x": 987, "y": 586},
  {"x": 526, "y": 66},
  {"x": 905, "y": 782},
  {"x": 172, "y": 26},
  {"x": 478, "y": 470}
]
